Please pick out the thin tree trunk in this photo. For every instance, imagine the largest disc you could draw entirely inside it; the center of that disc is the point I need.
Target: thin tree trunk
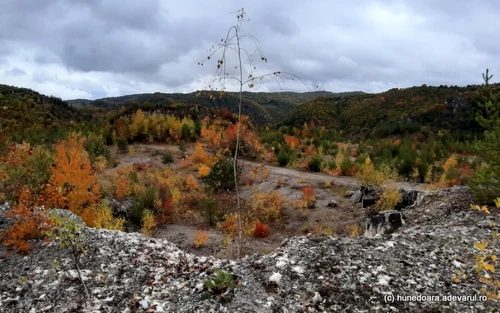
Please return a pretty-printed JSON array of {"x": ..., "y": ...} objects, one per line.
[{"x": 235, "y": 168}]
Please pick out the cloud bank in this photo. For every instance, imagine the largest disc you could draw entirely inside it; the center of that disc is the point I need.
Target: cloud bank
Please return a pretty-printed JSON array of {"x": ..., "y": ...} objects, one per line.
[{"x": 92, "y": 49}]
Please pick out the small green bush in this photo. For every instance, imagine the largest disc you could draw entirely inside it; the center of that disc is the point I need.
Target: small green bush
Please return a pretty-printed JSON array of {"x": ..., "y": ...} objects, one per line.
[
  {"x": 197, "y": 128},
  {"x": 122, "y": 144},
  {"x": 210, "y": 209},
  {"x": 167, "y": 157},
  {"x": 314, "y": 164},
  {"x": 69, "y": 234},
  {"x": 283, "y": 157},
  {"x": 223, "y": 282},
  {"x": 185, "y": 131},
  {"x": 145, "y": 200},
  {"x": 346, "y": 165},
  {"x": 96, "y": 146},
  {"x": 221, "y": 175},
  {"x": 182, "y": 148}
]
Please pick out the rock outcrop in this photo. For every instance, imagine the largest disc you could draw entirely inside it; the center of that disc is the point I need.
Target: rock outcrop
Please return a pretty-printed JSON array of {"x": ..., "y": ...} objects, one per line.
[
  {"x": 383, "y": 222},
  {"x": 369, "y": 195},
  {"x": 128, "y": 272}
]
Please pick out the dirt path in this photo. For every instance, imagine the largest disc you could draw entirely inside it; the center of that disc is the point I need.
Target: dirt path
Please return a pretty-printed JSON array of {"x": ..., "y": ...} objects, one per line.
[{"x": 346, "y": 181}]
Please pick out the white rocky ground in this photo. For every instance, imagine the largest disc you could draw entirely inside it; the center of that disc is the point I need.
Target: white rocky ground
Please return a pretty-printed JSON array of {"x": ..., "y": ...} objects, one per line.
[{"x": 128, "y": 272}]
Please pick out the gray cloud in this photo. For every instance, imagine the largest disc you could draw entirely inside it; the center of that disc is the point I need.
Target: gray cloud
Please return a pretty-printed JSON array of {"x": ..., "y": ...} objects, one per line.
[
  {"x": 14, "y": 72},
  {"x": 91, "y": 48}
]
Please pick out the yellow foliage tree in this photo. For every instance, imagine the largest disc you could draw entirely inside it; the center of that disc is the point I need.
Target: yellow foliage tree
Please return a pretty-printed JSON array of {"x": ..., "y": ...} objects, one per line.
[
  {"x": 138, "y": 124},
  {"x": 367, "y": 174},
  {"x": 174, "y": 127},
  {"x": 450, "y": 175},
  {"x": 148, "y": 223},
  {"x": 199, "y": 155},
  {"x": 267, "y": 206},
  {"x": 390, "y": 197},
  {"x": 103, "y": 217},
  {"x": 192, "y": 183}
]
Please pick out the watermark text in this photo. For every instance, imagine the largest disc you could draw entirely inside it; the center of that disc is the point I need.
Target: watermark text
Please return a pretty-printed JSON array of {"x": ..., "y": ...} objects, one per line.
[{"x": 391, "y": 298}]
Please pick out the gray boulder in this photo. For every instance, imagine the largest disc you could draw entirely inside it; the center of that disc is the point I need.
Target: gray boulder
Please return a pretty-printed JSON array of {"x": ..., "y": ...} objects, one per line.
[
  {"x": 356, "y": 196},
  {"x": 121, "y": 207},
  {"x": 367, "y": 195},
  {"x": 408, "y": 198},
  {"x": 383, "y": 222},
  {"x": 3, "y": 210},
  {"x": 67, "y": 214}
]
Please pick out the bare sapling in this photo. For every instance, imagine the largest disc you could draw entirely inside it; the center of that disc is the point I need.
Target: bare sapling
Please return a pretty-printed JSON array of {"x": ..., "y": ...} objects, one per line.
[{"x": 236, "y": 64}]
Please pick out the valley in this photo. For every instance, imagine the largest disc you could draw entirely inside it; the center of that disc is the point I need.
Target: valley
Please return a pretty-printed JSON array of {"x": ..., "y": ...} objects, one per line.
[
  {"x": 321, "y": 156},
  {"x": 162, "y": 181}
]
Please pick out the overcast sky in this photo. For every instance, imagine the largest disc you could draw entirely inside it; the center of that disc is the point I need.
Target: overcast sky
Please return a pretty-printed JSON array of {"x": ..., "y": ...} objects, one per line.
[{"x": 93, "y": 49}]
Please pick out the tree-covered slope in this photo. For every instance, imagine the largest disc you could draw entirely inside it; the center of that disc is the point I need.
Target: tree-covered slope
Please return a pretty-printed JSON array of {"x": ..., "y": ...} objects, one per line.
[
  {"x": 395, "y": 111},
  {"x": 23, "y": 110}
]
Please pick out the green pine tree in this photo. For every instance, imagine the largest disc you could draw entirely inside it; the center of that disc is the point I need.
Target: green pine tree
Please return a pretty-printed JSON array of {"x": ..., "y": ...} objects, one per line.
[{"x": 486, "y": 183}]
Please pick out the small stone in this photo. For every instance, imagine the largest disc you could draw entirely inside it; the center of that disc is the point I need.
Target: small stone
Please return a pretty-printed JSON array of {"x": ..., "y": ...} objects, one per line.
[
  {"x": 383, "y": 280},
  {"x": 275, "y": 277},
  {"x": 282, "y": 262},
  {"x": 144, "y": 304},
  {"x": 357, "y": 196},
  {"x": 317, "y": 298},
  {"x": 332, "y": 204},
  {"x": 349, "y": 193}
]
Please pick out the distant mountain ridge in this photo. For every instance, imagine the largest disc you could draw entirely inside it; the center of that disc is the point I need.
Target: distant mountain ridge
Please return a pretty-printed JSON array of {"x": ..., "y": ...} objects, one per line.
[{"x": 262, "y": 107}]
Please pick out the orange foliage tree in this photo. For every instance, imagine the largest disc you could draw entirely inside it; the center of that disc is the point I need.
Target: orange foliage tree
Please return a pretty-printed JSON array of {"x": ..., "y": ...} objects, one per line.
[
  {"x": 74, "y": 185},
  {"x": 29, "y": 222},
  {"x": 192, "y": 183},
  {"x": 200, "y": 238},
  {"x": 24, "y": 173},
  {"x": 292, "y": 141},
  {"x": 308, "y": 194},
  {"x": 122, "y": 187},
  {"x": 204, "y": 171},
  {"x": 260, "y": 230}
]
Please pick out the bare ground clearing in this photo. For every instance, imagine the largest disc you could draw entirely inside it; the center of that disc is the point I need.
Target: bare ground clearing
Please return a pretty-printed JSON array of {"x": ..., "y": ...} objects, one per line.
[{"x": 288, "y": 182}]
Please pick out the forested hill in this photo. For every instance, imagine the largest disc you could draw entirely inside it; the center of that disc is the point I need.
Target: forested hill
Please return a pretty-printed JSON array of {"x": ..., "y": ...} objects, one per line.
[
  {"x": 396, "y": 111},
  {"x": 23, "y": 110},
  {"x": 262, "y": 107}
]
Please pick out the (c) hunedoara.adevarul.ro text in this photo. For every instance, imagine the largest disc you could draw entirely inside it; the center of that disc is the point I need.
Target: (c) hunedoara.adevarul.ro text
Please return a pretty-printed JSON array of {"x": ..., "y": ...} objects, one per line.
[{"x": 391, "y": 298}]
